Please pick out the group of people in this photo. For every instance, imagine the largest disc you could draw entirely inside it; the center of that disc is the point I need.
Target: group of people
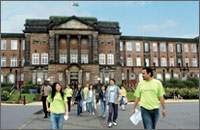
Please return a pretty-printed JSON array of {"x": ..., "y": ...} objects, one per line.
[{"x": 148, "y": 92}]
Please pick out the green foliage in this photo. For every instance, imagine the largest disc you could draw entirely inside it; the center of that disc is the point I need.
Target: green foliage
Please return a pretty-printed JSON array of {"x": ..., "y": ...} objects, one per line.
[
  {"x": 5, "y": 89},
  {"x": 30, "y": 86},
  {"x": 189, "y": 83},
  {"x": 195, "y": 81},
  {"x": 5, "y": 95},
  {"x": 29, "y": 97},
  {"x": 180, "y": 85},
  {"x": 130, "y": 96},
  {"x": 6, "y": 85},
  {"x": 189, "y": 93}
]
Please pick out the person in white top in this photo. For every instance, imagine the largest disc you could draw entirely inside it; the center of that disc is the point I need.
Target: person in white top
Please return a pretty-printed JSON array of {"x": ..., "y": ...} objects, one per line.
[{"x": 90, "y": 99}]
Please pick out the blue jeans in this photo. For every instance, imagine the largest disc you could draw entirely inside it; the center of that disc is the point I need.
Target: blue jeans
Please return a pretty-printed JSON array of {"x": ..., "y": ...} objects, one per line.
[
  {"x": 56, "y": 120},
  {"x": 91, "y": 107},
  {"x": 103, "y": 107},
  {"x": 79, "y": 107},
  {"x": 150, "y": 117}
]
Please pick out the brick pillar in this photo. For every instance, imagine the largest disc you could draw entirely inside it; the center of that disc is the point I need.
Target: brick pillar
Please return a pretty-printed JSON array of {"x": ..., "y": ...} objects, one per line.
[
  {"x": 56, "y": 49},
  {"x": 79, "y": 49},
  {"x": 27, "y": 49},
  {"x": 95, "y": 49},
  {"x": 90, "y": 49},
  {"x": 68, "y": 49},
  {"x": 117, "y": 47},
  {"x": 51, "y": 48}
]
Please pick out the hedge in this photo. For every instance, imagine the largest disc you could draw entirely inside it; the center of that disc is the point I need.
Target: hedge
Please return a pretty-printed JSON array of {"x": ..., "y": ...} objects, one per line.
[{"x": 30, "y": 86}]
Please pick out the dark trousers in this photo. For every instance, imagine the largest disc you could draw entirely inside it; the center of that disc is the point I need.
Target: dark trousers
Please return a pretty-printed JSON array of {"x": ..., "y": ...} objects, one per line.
[
  {"x": 44, "y": 98},
  {"x": 69, "y": 103},
  {"x": 149, "y": 117},
  {"x": 113, "y": 112}
]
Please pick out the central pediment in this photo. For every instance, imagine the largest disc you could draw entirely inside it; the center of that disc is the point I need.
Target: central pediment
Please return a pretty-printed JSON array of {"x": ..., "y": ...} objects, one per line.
[{"x": 73, "y": 24}]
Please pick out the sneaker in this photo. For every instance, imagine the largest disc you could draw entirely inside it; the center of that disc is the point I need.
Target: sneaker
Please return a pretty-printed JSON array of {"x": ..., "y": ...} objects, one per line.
[
  {"x": 109, "y": 125},
  {"x": 103, "y": 116},
  {"x": 115, "y": 123},
  {"x": 93, "y": 113}
]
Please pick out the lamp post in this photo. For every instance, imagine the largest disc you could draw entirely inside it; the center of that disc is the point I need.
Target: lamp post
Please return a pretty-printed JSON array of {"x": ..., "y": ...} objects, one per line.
[{"x": 20, "y": 69}]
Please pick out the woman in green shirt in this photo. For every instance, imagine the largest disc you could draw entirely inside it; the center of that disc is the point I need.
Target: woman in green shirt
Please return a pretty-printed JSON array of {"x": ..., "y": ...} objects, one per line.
[
  {"x": 68, "y": 91},
  {"x": 58, "y": 106}
]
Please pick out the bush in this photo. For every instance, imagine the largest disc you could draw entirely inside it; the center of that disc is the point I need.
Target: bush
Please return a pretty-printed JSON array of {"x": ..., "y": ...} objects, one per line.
[
  {"x": 168, "y": 85},
  {"x": 195, "y": 81},
  {"x": 6, "y": 85},
  {"x": 130, "y": 96},
  {"x": 180, "y": 85},
  {"x": 189, "y": 83},
  {"x": 174, "y": 81},
  {"x": 5, "y": 95},
  {"x": 189, "y": 93},
  {"x": 30, "y": 86},
  {"x": 5, "y": 89}
]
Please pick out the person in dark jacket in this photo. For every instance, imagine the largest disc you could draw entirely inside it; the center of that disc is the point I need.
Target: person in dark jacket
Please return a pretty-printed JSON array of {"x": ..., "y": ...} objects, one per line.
[
  {"x": 102, "y": 97},
  {"x": 78, "y": 96}
]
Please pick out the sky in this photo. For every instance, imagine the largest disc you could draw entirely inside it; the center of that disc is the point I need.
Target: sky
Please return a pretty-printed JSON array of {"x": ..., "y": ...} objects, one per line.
[{"x": 136, "y": 18}]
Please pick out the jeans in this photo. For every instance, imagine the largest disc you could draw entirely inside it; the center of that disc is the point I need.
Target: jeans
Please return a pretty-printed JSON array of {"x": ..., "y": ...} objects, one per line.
[
  {"x": 79, "y": 107},
  {"x": 113, "y": 111},
  {"x": 103, "y": 107},
  {"x": 150, "y": 118},
  {"x": 91, "y": 107},
  {"x": 56, "y": 120}
]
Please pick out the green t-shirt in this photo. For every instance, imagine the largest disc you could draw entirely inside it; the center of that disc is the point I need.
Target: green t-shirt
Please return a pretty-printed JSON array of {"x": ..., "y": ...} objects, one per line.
[
  {"x": 58, "y": 104},
  {"x": 68, "y": 92},
  {"x": 149, "y": 93},
  {"x": 85, "y": 90}
]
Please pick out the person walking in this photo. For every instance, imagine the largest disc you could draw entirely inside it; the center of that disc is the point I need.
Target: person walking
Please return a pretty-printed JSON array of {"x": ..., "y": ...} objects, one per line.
[
  {"x": 122, "y": 102},
  {"x": 58, "y": 106},
  {"x": 148, "y": 93},
  {"x": 85, "y": 91},
  {"x": 78, "y": 96},
  {"x": 90, "y": 99},
  {"x": 69, "y": 92},
  {"x": 113, "y": 96},
  {"x": 45, "y": 91},
  {"x": 102, "y": 97}
]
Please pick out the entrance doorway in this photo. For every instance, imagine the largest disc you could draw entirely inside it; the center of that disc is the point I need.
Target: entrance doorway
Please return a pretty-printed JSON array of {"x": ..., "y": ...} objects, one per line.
[{"x": 74, "y": 79}]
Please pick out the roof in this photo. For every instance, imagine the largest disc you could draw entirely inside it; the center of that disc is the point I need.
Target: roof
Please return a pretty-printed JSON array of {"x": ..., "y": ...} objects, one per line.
[
  {"x": 167, "y": 39},
  {"x": 12, "y": 35}
]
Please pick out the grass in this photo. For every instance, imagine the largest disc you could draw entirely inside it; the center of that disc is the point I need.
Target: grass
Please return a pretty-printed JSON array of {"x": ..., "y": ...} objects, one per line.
[
  {"x": 130, "y": 96},
  {"x": 29, "y": 97}
]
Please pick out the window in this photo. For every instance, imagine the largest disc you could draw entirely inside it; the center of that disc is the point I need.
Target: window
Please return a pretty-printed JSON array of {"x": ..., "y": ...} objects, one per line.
[
  {"x": 146, "y": 47},
  {"x": 2, "y": 78},
  {"x": 163, "y": 62},
  {"x": 186, "y": 61},
  {"x": 13, "y": 44},
  {"x": 159, "y": 76},
  {"x": 186, "y": 48},
  {"x": 167, "y": 76},
  {"x": 3, "y": 61},
  {"x": 121, "y": 46},
  {"x": 178, "y": 48},
  {"x": 138, "y": 47},
  {"x": 102, "y": 59},
  {"x": 44, "y": 58},
  {"x": 35, "y": 58},
  {"x": 171, "y": 61},
  {"x": 154, "y": 47},
  {"x": 155, "y": 61},
  {"x": 128, "y": 46},
  {"x": 23, "y": 42},
  {"x": 170, "y": 47},
  {"x": 129, "y": 61},
  {"x": 23, "y": 61},
  {"x": 11, "y": 78},
  {"x": 123, "y": 76},
  {"x": 13, "y": 61},
  {"x": 138, "y": 61},
  {"x": 122, "y": 61},
  {"x": 60, "y": 76},
  {"x": 179, "y": 62},
  {"x": 87, "y": 76},
  {"x": 132, "y": 76},
  {"x": 193, "y": 48},
  {"x": 184, "y": 76},
  {"x": 63, "y": 58},
  {"x": 162, "y": 47},
  {"x": 110, "y": 59},
  {"x": 40, "y": 75},
  {"x": 3, "y": 44},
  {"x": 74, "y": 58},
  {"x": 84, "y": 58},
  {"x": 34, "y": 78},
  {"x": 146, "y": 61},
  {"x": 176, "y": 75},
  {"x": 194, "y": 62},
  {"x": 22, "y": 77}
]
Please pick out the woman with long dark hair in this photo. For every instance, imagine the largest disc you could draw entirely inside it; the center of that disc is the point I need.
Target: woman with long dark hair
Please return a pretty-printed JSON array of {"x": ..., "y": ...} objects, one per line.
[
  {"x": 90, "y": 99},
  {"x": 58, "y": 106}
]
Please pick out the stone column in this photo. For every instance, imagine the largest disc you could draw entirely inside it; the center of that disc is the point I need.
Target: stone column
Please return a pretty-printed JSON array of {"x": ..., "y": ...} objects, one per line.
[
  {"x": 79, "y": 49},
  {"x": 27, "y": 49},
  {"x": 66, "y": 77},
  {"x": 51, "y": 48},
  {"x": 117, "y": 47},
  {"x": 90, "y": 49},
  {"x": 68, "y": 49},
  {"x": 56, "y": 49},
  {"x": 95, "y": 49}
]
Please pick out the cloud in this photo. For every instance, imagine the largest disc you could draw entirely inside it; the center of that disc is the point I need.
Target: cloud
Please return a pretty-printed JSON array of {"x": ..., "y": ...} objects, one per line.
[
  {"x": 140, "y": 3},
  {"x": 153, "y": 28},
  {"x": 15, "y": 23}
]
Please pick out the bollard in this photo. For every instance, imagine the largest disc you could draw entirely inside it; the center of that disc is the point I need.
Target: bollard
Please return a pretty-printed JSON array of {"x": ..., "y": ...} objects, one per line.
[{"x": 24, "y": 100}]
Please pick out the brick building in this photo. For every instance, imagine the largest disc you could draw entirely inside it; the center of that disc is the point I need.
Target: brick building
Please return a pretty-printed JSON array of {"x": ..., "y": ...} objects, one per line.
[{"x": 74, "y": 50}]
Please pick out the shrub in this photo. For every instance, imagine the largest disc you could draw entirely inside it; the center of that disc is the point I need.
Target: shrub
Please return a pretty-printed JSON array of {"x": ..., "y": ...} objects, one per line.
[
  {"x": 130, "y": 96},
  {"x": 174, "y": 81},
  {"x": 5, "y": 95},
  {"x": 5, "y": 89},
  {"x": 189, "y": 83},
  {"x": 195, "y": 81},
  {"x": 189, "y": 93},
  {"x": 30, "y": 86},
  {"x": 180, "y": 85}
]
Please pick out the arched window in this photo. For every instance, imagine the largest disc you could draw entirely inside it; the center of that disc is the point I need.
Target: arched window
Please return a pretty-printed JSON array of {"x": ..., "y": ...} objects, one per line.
[
  {"x": 159, "y": 76},
  {"x": 11, "y": 78},
  {"x": 184, "y": 76},
  {"x": 132, "y": 76},
  {"x": 167, "y": 76},
  {"x": 176, "y": 75},
  {"x": 2, "y": 78}
]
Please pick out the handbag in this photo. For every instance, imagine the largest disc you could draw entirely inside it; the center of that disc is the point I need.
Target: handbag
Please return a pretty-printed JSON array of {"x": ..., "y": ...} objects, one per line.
[{"x": 125, "y": 100}]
